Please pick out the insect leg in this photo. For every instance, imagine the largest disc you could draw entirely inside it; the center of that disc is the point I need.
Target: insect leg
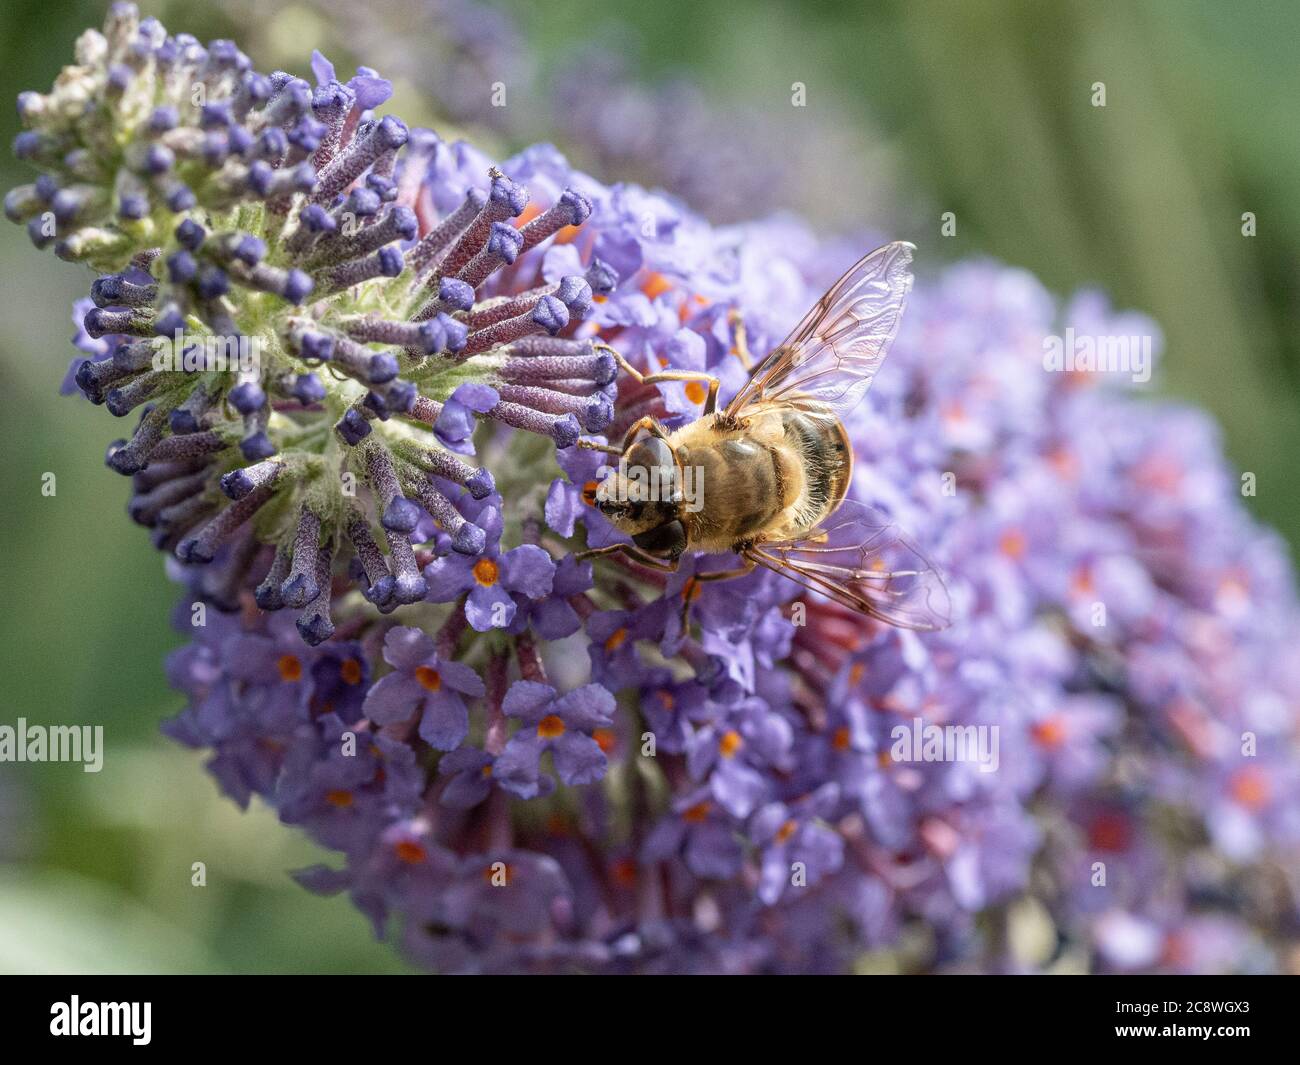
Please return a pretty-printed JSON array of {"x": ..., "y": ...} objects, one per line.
[
  {"x": 692, "y": 585},
  {"x": 740, "y": 338},
  {"x": 710, "y": 399},
  {"x": 591, "y": 445},
  {"x": 649, "y": 425},
  {"x": 631, "y": 551},
  {"x": 744, "y": 568}
]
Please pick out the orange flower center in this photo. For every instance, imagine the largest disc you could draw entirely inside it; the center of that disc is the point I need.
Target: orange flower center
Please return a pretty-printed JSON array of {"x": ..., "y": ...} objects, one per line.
[
  {"x": 605, "y": 739},
  {"x": 785, "y": 831},
  {"x": 1109, "y": 832},
  {"x": 428, "y": 678},
  {"x": 1250, "y": 787},
  {"x": 341, "y": 799},
  {"x": 695, "y": 391},
  {"x": 625, "y": 872},
  {"x": 589, "y": 493},
  {"x": 290, "y": 668},
  {"x": 350, "y": 671},
  {"x": 1012, "y": 543},
  {"x": 655, "y": 285},
  {"x": 1063, "y": 462},
  {"x": 615, "y": 640},
  {"x": 730, "y": 743},
  {"x": 856, "y": 672},
  {"x": 550, "y": 727},
  {"x": 1081, "y": 582},
  {"x": 485, "y": 572},
  {"x": 1050, "y": 732},
  {"x": 697, "y": 813},
  {"x": 410, "y": 852},
  {"x": 841, "y": 738}
]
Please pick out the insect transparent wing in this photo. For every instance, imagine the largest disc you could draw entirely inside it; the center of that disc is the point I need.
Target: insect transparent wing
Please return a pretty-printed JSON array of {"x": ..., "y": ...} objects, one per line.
[
  {"x": 832, "y": 355},
  {"x": 862, "y": 560}
]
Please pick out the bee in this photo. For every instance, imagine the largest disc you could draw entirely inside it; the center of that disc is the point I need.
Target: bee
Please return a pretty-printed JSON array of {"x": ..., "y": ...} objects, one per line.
[{"x": 767, "y": 477}]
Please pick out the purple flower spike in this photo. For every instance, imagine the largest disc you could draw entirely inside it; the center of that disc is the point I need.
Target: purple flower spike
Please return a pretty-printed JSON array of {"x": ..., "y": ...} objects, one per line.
[{"x": 750, "y": 778}]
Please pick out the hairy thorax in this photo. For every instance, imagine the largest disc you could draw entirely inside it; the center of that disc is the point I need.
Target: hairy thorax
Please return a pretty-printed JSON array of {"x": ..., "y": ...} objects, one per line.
[{"x": 772, "y": 476}]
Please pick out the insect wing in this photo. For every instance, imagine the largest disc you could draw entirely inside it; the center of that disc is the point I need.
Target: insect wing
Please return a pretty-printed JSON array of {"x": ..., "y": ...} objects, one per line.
[
  {"x": 832, "y": 355},
  {"x": 862, "y": 560}
]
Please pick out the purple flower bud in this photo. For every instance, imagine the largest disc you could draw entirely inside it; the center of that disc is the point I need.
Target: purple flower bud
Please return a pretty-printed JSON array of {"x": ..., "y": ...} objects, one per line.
[
  {"x": 316, "y": 219},
  {"x": 383, "y": 367},
  {"x": 363, "y": 202},
  {"x": 401, "y": 397},
  {"x": 180, "y": 198},
  {"x": 158, "y": 159},
  {"x": 239, "y": 140},
  {"x": 565, "y": 431},
  {"x": 456, "y": 333},
  {"x": 163, "y": 118},
  {"x": 249, "y": 249},
  {"x": 298, "y": 286},
  {"x": 133, "y": 207},
  {"x": 271, "y": 144},
  {"x": 181, "y": 267},
  {"x": 354, "y": 427},
  {"x": 247, "y": 397},
  {"x": 317, "y": 346},
  {"x": 170, "y": 321},
  {"x": 215, "y": 115},
  {"x": 307, "y": 134},
  {"x": 511, "y": 198},
  {"x": 602, "y": 277},
  {"x": 257, "y": 446},
  {"x": 405, "y": 223},
  {"x": 401, "y": 515},
  {"x": 190, "y": 234},
  {"x": 384, "y": 187},
  {"x": 578, "y": 206},
  {"x": 455, "y": 293},
  {"x": 212, "y": 282},
  {"x": 575, "y": 294},
  {"x": 550, "y": 314},
  {"x": 504, "y": 242},
  {"x": 469, "y": 540},
  {"x": 308, "y": 389},
  {"x": 390, "y": 261}
]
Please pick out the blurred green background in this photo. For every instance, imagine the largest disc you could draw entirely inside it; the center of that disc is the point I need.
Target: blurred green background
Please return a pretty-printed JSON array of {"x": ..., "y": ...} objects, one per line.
[{"x": 981, "y": 108}]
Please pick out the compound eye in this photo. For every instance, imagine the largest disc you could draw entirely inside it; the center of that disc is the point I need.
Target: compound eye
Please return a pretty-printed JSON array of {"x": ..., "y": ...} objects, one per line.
[
  {"x": 650, "y": 452},
  {"x": 665, "y": 541},
  {"x": 650, "y": 467}
]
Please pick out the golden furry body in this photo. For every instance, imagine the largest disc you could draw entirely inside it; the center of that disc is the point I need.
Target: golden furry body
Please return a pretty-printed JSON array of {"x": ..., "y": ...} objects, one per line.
[{"x": 773, "y": 475}]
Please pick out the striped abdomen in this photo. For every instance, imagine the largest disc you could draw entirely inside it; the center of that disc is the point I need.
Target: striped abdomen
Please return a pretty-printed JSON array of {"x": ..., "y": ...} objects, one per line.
[{"x": 773, "y": 479}]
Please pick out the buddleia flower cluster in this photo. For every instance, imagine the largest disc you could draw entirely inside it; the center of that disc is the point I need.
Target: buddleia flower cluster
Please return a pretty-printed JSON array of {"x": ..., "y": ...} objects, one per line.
[
  {"x": 531, "y": 762},
  {"x": 475, "y": 67},
  {"x": 278, "y": 321}
]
